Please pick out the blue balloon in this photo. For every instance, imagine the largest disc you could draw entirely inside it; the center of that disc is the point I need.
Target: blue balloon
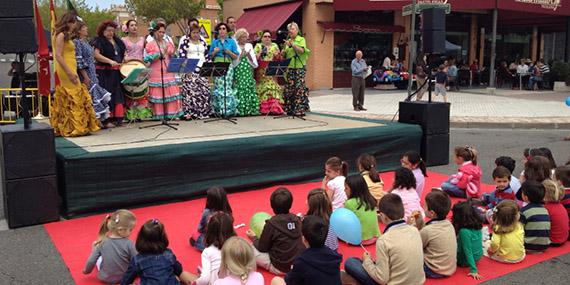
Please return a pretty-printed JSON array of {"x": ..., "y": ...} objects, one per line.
[
  {"x": 568, "y": 101},
  {"x": 346, "y": 226}
]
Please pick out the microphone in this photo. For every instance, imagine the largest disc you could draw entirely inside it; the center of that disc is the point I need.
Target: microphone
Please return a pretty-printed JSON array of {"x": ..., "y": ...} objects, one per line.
[{"x": 281, "y": 32}]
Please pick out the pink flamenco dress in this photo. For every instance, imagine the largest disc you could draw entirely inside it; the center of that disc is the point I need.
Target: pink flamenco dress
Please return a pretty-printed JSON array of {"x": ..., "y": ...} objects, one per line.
[{"x": 172, "y": 99}]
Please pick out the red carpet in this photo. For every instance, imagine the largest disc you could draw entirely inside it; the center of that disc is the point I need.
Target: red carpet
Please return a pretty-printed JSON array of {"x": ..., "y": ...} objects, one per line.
[{"x": 73, "y": 238}]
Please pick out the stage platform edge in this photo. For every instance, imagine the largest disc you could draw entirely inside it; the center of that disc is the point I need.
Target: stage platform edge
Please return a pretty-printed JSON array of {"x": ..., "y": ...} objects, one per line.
[{"x": 104, "y": 181}]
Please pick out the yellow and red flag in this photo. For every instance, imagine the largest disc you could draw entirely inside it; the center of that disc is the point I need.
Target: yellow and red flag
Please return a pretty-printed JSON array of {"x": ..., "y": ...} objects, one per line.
[
  {"x": 53, "y": 20},
  {"x": 42, "y": 57}
]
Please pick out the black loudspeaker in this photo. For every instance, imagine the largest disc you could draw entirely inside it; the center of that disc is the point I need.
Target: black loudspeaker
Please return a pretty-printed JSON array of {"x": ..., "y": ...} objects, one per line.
[
  {"x": 433, "y": 117},
  {"x": 16, "y": 8},
  {"x": 17, "y": 27},
  {"x": 433, "y": 31},
  {"x": 31, "y": 201},
  {"x": 433, "y": 41},
  {"x": 434, "y": 120},
  {"x": 433, "y": 19},
  {"x": 28, "y": 174},
  {"x": 435, "y": 149},
  {"x": 27, "y": 153}
]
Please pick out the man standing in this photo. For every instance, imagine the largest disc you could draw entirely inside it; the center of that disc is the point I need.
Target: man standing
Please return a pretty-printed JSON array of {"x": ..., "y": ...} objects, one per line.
[
  {"x": 231, "y": 21},
  {"x": 359, "y": 69}
]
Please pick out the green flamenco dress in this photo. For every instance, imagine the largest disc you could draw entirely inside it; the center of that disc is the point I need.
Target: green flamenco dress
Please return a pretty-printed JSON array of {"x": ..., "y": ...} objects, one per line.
[{"x": 248, "y": 102}]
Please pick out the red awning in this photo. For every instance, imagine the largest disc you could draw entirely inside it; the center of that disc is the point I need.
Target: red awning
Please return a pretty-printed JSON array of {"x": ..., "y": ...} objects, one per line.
[
  {"x": 348, "y": 27},
  {"x": 396, "y": 5},
  {"x": 547, "y": 7},
  {"x": 267, "y": 17}
]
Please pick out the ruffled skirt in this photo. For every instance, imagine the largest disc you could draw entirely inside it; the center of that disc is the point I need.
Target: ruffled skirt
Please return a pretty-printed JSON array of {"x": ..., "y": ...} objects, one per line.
[{"x": 71, "y": 112}]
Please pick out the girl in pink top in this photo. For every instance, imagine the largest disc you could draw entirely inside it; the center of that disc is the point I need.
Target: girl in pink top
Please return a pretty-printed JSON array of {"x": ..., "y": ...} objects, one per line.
[
  {"x": 238, "y": 264},
  {"x": 336, "y": 171},
  {"x": 414, "y": 162},
  {"x": 467, "y": 181},
  {"x": 405, "y": 187}
]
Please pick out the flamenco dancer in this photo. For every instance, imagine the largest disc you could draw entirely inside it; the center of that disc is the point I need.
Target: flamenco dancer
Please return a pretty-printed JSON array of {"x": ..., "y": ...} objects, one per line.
[
  {"x": 224, "y": 49},
  {"x": 269, "y": 92},
  {"x": 296, "y": 91},
  {"x": 195, "y": 89}
]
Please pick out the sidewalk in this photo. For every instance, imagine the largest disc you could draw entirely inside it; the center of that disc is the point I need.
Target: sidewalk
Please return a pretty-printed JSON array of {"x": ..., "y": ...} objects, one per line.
[{"x": 470, "y": 108}]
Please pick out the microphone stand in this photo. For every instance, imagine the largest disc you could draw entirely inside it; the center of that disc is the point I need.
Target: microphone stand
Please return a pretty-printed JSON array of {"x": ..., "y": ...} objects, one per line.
[{"x": 163, "y": 121}]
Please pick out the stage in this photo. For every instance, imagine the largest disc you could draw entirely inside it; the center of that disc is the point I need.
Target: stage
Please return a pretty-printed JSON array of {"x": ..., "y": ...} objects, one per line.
[{"x": 130, "y": 167}]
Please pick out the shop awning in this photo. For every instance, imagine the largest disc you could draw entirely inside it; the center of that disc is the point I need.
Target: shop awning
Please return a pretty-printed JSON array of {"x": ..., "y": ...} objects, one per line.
[
  {"x": 269, "y": 17},
  {"x": 361, "y": 28},
  {"x": 548, "y": 7},
  {"x": 396, "y": 5}
]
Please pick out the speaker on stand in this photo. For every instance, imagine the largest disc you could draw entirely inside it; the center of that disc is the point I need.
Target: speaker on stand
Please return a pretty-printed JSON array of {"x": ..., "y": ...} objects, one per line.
[
  {"x": 433, "y": 117},
  {"x": 27, "y": 152}
]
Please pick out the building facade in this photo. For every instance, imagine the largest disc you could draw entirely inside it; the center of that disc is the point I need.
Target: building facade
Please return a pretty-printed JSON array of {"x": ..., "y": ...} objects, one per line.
[{"x": 335, "y": 29}]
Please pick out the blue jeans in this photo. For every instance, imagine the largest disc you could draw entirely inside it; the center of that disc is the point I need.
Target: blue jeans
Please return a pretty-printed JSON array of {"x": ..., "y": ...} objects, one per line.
[
  {"x": 353, "y": 267},
  {"x": 453, "y": 190},
  {"x": 431, "y": 274},
  {"x": 533, "y": 80}
]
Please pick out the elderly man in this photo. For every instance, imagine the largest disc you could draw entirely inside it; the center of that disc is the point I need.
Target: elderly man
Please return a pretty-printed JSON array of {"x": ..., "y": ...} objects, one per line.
[{"x": 359, "y": 69}]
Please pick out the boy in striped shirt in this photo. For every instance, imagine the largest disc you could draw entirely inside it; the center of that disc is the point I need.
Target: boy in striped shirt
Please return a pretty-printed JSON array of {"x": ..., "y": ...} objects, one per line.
[
  {"x": 535, "y": 217},
  {"x": 562, "y": 175}
]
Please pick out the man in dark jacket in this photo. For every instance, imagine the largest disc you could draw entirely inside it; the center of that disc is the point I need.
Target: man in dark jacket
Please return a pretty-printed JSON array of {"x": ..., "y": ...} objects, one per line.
[{"x": 280, "y": 241}]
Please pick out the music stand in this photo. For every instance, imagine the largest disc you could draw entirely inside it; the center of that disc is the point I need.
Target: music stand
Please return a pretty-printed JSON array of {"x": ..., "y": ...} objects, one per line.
[
  {"x": 176, "y": 65},
  {"x": 278, "y": 69},
  {"x": 217, "y": 69}
]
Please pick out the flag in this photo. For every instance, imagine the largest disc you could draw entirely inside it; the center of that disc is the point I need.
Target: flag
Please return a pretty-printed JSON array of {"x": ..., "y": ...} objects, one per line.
[
  {"x": 70, "y": 7},
  {"x": 53, "y": 20},
  {"x": 42, "y": 56}
]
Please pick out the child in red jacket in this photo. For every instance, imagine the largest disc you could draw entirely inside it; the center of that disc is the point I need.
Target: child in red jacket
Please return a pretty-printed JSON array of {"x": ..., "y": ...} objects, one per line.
[{"x": 467, "y": 181}]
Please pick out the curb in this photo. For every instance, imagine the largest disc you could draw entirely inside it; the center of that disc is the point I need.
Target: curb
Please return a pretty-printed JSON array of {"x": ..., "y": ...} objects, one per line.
[
  {"x": 510, "y": 125},
  {"x": 553, "y": 123}
]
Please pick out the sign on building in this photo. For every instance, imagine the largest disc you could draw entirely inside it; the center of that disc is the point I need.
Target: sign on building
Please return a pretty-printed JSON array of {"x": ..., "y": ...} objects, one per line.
[{"x": 206, "y": 29}]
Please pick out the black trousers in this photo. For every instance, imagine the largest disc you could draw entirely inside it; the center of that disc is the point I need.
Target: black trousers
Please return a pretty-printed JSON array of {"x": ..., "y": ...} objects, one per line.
[{"x": 358, "y": 86}]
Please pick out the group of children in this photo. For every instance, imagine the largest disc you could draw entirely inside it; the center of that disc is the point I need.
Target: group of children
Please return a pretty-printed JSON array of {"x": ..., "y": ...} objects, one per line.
[{"x": 303, "y": 249}]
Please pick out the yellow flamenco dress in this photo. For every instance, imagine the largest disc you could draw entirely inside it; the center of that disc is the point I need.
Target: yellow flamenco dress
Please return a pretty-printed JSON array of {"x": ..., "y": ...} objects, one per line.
[{"x": 71, "y": 109}]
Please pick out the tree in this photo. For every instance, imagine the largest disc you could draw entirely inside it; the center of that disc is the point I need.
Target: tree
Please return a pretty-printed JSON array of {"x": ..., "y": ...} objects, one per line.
[
  {"x": 91, "y": 16},
  {"x": 173, "y": 11}
]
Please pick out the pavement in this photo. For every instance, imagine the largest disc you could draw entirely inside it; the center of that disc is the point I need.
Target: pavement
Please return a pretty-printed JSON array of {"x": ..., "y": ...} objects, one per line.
[{"x": 470, "y": 108}]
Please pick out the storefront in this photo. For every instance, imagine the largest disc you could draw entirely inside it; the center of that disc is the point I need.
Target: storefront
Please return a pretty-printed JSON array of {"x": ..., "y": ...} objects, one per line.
[{"x": 336, "y": 29}]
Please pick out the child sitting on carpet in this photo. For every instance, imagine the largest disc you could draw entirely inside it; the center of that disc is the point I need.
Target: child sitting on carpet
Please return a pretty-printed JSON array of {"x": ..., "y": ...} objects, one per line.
[
  {"x": 318, "y": 264},
  {"x": 468, "y": 224},
  {"x": 220, "y": 228},
  {"x": 280, "y": 241},
  {"x": 216, "y": 200},
  {"x": 467, "y": 181},
  {"x": 113, "y": 250},
  {"x": 399, "y": 255},
  {"x": 537, "y": 168},
  {"x": 535, "y": 217},
  {"x": 155, "y": 263},
  {"x": 336, "y": 171},
  {"x": 507, "y": 242},
  {"x": 414, "y": 162},
  {"x": 238, "y": 264},
  {"x": 367, "y": 168},
  {"x": 361, "y": 202},
  {"x": 320, "y": 206},
  {"x": 557, "y": 213},
  {"x": 510, "y": 164},
  {"x": 438, "y": 236},
  {"x": 405, "y": 187},
  {"x": 562, "y": 175},
  {"x": 503, "y": 191}
]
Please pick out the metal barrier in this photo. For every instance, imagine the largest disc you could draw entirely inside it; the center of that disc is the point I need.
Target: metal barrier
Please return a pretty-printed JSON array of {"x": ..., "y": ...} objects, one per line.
[{"x": 11, "y": 100}]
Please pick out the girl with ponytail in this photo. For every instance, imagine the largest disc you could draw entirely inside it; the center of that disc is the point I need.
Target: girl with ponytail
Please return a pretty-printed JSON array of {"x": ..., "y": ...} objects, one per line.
[
  {"x": 336, "y": 171},
  {"x": 414, "y": 162},
  {"x": 367, "y": 167},
  {"x": 113, "y": 250}
]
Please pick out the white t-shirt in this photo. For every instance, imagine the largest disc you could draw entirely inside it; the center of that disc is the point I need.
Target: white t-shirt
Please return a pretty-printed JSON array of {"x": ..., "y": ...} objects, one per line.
[
  {"x": 211, "y": 259},
  {"x": 254, "y": 278},
  {"x": 336, "y": 187},
  {"x": 248, "y": 48}
]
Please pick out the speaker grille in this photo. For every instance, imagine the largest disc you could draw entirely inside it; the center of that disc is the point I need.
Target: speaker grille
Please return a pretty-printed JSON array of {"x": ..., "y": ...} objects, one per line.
[
  {"x": 19, "y": 35},
  {"x": 31, "y": 201},
  {"x": 16, "y": 9}
]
